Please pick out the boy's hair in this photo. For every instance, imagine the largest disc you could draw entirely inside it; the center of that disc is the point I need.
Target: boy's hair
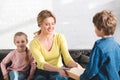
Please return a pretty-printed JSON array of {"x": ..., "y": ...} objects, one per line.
[{"x": 106, "y": 21}]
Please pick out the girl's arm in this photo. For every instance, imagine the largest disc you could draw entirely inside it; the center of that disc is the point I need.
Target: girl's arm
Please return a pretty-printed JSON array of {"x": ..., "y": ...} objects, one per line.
[{"x": 3, "y": 65}]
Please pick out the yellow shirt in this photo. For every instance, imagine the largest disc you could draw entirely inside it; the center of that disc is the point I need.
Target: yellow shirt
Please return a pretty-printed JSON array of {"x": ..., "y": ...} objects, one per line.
[{"x": 53, "y": 57}]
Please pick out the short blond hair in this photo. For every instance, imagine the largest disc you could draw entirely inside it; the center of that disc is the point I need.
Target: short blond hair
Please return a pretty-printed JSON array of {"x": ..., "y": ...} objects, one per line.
[{"x": 105, "y": 20}]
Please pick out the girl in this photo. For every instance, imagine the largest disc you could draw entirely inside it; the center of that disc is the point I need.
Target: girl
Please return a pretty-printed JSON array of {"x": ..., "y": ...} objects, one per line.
[{"x": 22, "y": 63}]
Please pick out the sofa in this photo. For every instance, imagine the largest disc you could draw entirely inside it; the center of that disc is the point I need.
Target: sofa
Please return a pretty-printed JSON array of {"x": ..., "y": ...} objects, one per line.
[{"x": 81, "y": 56}]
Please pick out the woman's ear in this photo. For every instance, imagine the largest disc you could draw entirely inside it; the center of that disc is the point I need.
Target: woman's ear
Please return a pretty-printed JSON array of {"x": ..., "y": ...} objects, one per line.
[{"x": 39, "y": 24}]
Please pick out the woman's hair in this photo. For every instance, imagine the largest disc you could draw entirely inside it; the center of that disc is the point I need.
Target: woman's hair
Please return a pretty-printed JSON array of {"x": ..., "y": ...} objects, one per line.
[
  {"x": 42, "y": 16},
  {"x": 20, "y": 34},
  {"x": 105, "y": 20}
]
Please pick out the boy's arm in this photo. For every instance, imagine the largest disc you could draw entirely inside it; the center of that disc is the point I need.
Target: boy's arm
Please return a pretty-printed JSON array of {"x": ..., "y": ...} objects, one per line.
[{"x": 93, "y": 66}]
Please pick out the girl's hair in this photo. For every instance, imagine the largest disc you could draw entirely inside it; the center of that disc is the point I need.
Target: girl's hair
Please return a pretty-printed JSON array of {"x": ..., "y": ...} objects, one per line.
[
  {"x": 27, "y": 56},
  {"x": 20, "y": 34},
  {"x": 42, "y": 16},
  {"x": 105, "y": 20}
]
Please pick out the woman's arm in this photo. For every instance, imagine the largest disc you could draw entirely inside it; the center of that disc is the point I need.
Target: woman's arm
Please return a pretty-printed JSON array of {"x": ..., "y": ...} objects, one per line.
[
  {"x": 32, "y": 67},
  {"x": 65, "y": 53},
  {"x": 36, "y": 53},
  {"x": 74, "y": 64}
]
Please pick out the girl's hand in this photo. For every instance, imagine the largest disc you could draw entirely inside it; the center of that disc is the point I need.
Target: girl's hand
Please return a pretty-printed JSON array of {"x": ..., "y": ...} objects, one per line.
[{"x": 6, "y": 77}]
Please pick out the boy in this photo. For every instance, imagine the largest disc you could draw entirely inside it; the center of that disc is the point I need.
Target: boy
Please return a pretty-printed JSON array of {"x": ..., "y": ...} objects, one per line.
[{"x": 105, "y": 56}]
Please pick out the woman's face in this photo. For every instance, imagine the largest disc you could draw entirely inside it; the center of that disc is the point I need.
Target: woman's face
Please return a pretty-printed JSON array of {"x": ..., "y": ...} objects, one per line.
[
  {"x": 47, "y": 26},
  {"x": 20, "y": 42}
]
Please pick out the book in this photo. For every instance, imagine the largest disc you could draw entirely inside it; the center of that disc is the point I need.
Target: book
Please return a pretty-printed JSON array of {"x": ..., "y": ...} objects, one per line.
[{"x": 75, "y": 72}]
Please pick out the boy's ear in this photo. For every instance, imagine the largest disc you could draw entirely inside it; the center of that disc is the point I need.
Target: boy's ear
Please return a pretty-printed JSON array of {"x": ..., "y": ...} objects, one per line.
[{"x": 102, "y": 31}]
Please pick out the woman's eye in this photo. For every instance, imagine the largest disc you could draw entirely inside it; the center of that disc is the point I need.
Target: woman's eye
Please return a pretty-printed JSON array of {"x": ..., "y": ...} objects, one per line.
[{"x": 46, "y": 24}]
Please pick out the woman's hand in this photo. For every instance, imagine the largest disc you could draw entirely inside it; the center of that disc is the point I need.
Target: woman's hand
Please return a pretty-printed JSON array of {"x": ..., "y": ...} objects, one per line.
[
  {"x": 62, "y": 71},
  {"x": 79, "y": 66}
]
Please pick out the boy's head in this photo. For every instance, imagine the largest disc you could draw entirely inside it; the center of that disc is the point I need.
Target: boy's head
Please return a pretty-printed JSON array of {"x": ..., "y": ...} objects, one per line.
[{"x": 105, "y": 21}]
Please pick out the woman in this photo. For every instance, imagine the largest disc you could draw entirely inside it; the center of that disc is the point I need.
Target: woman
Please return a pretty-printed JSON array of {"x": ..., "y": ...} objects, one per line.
[{"x": 47, "y": 48}]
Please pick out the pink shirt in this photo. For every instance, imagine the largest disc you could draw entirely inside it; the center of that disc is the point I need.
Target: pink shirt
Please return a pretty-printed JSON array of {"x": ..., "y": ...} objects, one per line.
[{"x": 19, "y": 62}]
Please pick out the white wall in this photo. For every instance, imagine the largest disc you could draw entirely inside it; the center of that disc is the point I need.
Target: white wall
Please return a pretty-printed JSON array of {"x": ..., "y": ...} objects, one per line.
[
  {"x": 74, "y": 19},
  {"x": 19, "y": 15}
]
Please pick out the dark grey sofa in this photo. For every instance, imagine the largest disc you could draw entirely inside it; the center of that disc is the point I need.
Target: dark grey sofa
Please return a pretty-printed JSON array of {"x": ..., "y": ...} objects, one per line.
[{"x": 80, "y": 56}]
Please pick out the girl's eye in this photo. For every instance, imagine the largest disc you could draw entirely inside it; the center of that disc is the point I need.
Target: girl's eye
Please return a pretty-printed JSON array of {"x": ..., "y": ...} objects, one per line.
[
  {"x": 22, "y": 41},
  {"x": 53, "y": 23},
  {"x": 17, "y": 42}
]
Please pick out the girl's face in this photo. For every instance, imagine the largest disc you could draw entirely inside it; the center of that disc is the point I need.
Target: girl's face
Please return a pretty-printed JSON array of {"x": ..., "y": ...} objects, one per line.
[
  {"x": 20, "y": 42},
  {"x": 47, "y": 26}
]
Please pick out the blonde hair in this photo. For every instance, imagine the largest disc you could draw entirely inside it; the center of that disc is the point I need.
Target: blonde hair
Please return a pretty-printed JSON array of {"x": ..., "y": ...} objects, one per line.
[{"x": 42, "y": 16}]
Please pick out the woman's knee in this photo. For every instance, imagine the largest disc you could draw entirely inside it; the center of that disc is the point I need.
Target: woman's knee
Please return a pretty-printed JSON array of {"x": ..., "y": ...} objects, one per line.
[
  {"x": 40, "y": 77},
  {"x": 57, "y": 76}
]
